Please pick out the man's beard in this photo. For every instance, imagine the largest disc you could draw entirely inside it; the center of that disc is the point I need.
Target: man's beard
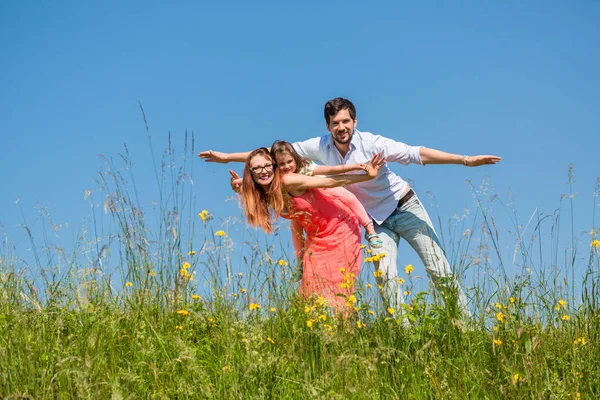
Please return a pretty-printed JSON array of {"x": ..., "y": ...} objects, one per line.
[{"x": 348, "y": 140}]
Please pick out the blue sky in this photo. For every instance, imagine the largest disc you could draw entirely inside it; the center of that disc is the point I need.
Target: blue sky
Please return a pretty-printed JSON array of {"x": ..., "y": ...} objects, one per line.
[{"x": 515, "y": 79}]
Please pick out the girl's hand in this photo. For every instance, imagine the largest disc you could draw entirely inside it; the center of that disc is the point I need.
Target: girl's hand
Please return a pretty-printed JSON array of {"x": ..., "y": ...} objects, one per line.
[{"x": 372, "y": 168}]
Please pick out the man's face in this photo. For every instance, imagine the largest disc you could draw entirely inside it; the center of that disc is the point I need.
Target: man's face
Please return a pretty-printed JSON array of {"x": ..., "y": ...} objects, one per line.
[{"x": 341, "y": 126}]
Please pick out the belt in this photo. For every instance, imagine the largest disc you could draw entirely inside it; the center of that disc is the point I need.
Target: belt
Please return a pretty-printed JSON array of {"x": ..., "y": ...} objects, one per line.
[{"x": 405, "y": 198}]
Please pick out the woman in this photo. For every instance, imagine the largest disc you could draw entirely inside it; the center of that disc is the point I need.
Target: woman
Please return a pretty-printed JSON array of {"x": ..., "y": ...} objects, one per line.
[{"x": 332, "y": 247}]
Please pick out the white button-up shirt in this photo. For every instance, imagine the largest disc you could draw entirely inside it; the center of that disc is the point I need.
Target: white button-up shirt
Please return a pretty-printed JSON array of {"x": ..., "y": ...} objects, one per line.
[{"x": 380, "y": 195}]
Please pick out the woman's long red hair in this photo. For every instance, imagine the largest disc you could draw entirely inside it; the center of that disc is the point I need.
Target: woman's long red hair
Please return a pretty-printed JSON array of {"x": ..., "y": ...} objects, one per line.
[{"x": 259, "y": 202}]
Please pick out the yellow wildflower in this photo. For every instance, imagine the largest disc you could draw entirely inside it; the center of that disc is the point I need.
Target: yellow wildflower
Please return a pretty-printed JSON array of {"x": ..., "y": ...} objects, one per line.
[
  {"x": 409, "y": 268},
  {"x": 362, "y": 246},
  {"x": 495, "y": 328},
  {"x": 562, "y": 303},
  {"x": 359, "y": 324},
  {"x": 254, "y": 306},
  {"x": 186, "y": 265},
  {"x": 306, "y": 309},
  {"x": 220, "y": 233},
  {"x": 227, "y": 368},
  {"x": 500, "y": 316},
  {"x": 185, "y": 313},
  {"x": 242, "y": 290},
  {"x": 191, "y": 252},
  {"x": 580, "y": 340},
  {"x": 378, "y": 273},
  {"x": 282, "y": 263},
  {"x": 272, "y": 309},
  {"x": 342, "y": 270},
  {"x": 184, "y": 272},
  {"x": 498, "y": 342},
  {"x": 565, "y": 318},
  {"x": 498, "y": 306},
  {"x": 391, "y": 311},
  {"x": 368, "y": 286},
  {"x": 517, "y": 378},
  {"x": 371, "y": 312},
  {"x": 322, "y": 317},
  {"x": 406, "y": 292},
  {"x": 179, "y": 327},
  {"x": 512, "y": 300},
  {"x": 204, "y": 215},
  {"x": 309, "y": 323},
  {"x": 196, "y": 296},
  {"x": 211, "y": 320},
  {"x": 351, "y": 301},
  {"x": 400, "y": 281},
  {"x": 595, "y": 243},
  {"x": 368, "y": 250},
  {"x": 378, "y": 257},
  {"x": 379, "y": 287},
  {"x": 270, "y": 340},
  {"x": 368, "y": 259},
  {"x": 128, "y": 284}
]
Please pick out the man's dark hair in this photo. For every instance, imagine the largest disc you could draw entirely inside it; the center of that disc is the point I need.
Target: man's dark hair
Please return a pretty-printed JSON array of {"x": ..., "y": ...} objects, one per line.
[{"x": 338, "y": 104}]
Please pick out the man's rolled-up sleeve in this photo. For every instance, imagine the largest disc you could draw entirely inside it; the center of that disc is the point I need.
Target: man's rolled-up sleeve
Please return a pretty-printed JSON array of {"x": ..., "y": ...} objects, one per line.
[{"x": 397, "y": 151}]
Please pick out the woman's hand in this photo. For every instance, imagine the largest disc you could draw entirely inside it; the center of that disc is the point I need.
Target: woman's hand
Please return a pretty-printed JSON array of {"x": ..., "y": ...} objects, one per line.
[
  {"x": 372, "y": 168},
  {"x": 235, "y": 181}
]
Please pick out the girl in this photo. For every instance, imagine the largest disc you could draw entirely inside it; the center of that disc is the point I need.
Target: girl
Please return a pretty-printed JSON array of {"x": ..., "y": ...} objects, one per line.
[{"x": 289, "y": 161}]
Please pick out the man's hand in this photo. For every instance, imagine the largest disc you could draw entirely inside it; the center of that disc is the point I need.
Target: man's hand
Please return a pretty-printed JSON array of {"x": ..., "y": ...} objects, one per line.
[
  {"x": 235, "y": 181},
  {"x": 214, "y": 156},
  {"x": 475, "y": 161}
]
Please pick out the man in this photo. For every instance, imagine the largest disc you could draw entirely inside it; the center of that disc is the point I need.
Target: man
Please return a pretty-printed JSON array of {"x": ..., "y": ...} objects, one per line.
[{"x": 388, "y": 199}]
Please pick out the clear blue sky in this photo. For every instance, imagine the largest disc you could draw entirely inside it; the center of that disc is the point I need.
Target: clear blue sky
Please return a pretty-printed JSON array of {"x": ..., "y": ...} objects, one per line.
[{"x": 515, "y": 79}]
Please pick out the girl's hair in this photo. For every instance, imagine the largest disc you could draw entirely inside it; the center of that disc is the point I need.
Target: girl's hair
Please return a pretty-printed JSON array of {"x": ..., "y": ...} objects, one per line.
[
  {"x": 256, "y": 200},
  {"x": 283, "y": 147}
]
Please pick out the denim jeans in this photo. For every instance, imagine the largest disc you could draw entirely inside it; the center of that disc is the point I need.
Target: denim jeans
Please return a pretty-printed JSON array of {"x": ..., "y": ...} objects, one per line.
[{"x": 412, "y": 223}]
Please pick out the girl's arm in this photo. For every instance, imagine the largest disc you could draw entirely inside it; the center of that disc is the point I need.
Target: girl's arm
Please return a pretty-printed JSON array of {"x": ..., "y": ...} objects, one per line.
[
  {"x": 297, "y": 184},
  {"x": 337, "y": 169}
]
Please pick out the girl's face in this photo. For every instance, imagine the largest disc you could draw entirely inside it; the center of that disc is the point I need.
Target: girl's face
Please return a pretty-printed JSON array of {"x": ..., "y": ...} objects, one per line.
[
  {"x": 285, "y": 163},
  {"x": 262, "y": 170}
]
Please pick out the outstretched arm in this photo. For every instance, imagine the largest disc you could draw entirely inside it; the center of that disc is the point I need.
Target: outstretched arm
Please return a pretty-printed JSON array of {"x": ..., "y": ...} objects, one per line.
[
  {"x": 433, "y": 156},
  {"x": 337, "y": 169},
  {"x": 223, "y": 158},
  {"x": 296, "y": 184}
]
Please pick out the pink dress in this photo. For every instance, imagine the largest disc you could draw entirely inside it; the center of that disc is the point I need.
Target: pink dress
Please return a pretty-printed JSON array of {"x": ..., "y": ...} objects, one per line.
[{"x": 332, "y": 259}]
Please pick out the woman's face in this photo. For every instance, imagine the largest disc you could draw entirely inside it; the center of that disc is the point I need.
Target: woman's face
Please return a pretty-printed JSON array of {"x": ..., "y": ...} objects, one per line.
[
  {"x": 262, "y": 170},
  {"x": 285, "y": 163}
]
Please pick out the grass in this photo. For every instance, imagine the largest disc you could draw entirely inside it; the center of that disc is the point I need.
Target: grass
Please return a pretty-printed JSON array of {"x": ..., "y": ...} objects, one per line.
[{"x": 175, "y": 321}]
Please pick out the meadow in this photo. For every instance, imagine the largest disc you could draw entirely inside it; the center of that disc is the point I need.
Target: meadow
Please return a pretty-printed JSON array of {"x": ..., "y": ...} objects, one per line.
[{"x": 175, "y": 320}]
